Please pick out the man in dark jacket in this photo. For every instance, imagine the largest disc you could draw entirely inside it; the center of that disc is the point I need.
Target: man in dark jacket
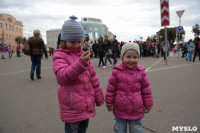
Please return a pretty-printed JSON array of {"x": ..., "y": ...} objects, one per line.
[
  {"x": 115, "y": 49},
  {"x": 197, "y": 50},
  {"x": 36, "y": 45},
  {"x": 95, "y": 48}
]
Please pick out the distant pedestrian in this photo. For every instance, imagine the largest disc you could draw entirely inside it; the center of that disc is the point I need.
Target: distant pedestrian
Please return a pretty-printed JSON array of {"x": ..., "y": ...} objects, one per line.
[
  {"x": 79, "y": 86},
  {"x": 108, "y": 51},
  {"x": 129, "y": 93},
  {"x": 115, "y": 49},
  {"x": 36, "y": 46},
  {"x": 86, "y": 43},
  {"x": 197, "y": 49},
  {"x": 3, "y": 51},
  {"x": 166, "y": 49},
  {"x": 18, "y": 50},
  {"x": 101, "y": 49},
  {"x": 95, "y": 49},
  {"x": 10, "y": 51},
  {"x": 190, "y": 48},
  {"x": 184, "y": 50}
]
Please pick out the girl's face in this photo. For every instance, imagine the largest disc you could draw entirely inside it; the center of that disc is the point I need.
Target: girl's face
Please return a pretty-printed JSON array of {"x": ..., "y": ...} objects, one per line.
[
  {"x": 73, "y": 45},
  {"x": 130, "y": 58}
]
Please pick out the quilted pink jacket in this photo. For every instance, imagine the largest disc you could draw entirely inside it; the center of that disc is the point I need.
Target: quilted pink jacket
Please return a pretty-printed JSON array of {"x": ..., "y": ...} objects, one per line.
[
  {"x": 79, "y": 86},
  {"x": 129, "y": 91}
]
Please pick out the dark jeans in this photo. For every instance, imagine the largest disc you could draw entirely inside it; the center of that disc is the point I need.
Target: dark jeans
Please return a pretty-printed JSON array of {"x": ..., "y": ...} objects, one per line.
[
  {"x": 10, "y": 54},
  {"x": 36, "y": 62},
  {"x": 195, "y": 54},
  {"x": 101, "y": 55},
  {"x": 107, "y": 56},
  {"x": 78, "y": 127},
  {"x": 114, "y": 57},
  {"x": 18, "y": 53}
]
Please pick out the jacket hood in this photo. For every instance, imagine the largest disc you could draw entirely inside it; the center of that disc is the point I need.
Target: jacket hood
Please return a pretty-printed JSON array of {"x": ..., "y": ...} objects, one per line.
[{"x": 121, "y": 67}]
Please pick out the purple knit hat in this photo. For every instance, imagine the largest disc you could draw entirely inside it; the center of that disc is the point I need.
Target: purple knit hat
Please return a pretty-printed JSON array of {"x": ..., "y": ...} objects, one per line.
[{"x": 72, "y": 30}]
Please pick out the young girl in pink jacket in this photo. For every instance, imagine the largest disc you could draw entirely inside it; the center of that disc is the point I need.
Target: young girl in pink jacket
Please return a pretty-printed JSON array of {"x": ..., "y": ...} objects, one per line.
[
  {"x": 79, "y": 86},
  {"x": 129, "y": 93}
]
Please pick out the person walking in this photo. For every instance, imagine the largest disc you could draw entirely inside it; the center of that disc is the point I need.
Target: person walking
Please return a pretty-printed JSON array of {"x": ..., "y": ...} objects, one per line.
[
  {"x": 108, "y": 51},
  {"x": 3, "y": 51},
  {"x": 101, "y": 48},
  {"x": 79, "y": 86},
  {"x": 197, "y": 49},
  {"x": 166, "y": 49},
  {"x": 10, "y": 51},
  {"x": 18, "y": 50},
  {"x": 95, "y": 49},
  {"x": 36, "y": 45},
  {"x": 190, "y": 48},
  {"x": 114, "y": 49},
  {"x": 128, "y": 93}
]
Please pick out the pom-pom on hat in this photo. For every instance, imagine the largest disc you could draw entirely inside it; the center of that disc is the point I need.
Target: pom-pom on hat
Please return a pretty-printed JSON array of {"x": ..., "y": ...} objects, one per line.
[
  {"x": 72, "y": 30},
  {"x": 128, "y": 46}
]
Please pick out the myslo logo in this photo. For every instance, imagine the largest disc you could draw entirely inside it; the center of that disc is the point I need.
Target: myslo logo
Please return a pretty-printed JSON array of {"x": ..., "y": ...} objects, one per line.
[{"x": 184, "y": 128}]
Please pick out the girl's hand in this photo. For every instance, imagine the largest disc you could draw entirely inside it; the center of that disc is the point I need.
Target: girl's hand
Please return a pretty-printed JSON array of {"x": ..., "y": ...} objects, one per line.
[
  {"x": 146, "y": 110},
  {"x": 110, "y": 108},
  {"x": 86, "y": 56}
]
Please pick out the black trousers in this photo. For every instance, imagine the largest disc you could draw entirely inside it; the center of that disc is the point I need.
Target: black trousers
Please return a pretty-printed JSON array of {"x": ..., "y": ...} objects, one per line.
[{"x": 195, "y": 54}]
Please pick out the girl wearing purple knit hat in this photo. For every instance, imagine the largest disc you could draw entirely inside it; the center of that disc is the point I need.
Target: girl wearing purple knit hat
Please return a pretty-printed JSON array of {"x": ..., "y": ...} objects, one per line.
[
  {"x": 129, "y": 93},
  {"x": 79, "y": 86}
]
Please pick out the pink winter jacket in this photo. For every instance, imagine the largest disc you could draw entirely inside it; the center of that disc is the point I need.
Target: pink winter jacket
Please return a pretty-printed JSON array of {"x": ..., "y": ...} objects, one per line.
[
  {"x": 79, "y": 86},
  {"x": 129, "y": 92}
]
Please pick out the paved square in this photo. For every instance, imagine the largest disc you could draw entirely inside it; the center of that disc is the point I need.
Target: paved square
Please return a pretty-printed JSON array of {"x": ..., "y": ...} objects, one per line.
[{"x": 32, "y": 106}]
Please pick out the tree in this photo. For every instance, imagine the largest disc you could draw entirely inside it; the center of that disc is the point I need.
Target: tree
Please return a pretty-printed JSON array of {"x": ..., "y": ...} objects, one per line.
[
  {"x": 19, "y": 40},
  {"x": 171, "y": 34},
  {"x": 196, "y": 30}
]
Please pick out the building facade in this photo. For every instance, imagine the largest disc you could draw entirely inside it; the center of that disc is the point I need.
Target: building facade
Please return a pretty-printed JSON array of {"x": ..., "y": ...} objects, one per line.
[
  {"x": 52, "y": 38},
  {"x": 10, "y": 28},
  {"x": 92, "y": 26},
  {"x": 95, "y": 28}
]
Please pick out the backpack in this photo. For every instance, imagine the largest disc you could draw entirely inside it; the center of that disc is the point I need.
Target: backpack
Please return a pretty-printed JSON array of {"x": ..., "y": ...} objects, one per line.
[{"x": 26, "y": 48}]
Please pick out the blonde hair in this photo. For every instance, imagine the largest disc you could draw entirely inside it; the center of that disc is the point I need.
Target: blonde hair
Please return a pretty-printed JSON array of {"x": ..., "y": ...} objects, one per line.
[{"x": 36, "y": 32}]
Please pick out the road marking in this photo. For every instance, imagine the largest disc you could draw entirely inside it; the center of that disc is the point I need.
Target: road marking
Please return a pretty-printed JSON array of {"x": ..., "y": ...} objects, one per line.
[
  {"x": 3, "y": 74},
  {"x": 171, "y": 67},
  {"x": 153, "y": 64}
]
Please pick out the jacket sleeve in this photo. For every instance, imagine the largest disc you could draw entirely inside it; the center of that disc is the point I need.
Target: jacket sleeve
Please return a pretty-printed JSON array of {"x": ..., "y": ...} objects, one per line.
[
  {"x": 146, "y": 91},
  {"x": 111, "y": 89},
  {"x": 99, "y": 98},
  {"x": 66, "y": 73}
]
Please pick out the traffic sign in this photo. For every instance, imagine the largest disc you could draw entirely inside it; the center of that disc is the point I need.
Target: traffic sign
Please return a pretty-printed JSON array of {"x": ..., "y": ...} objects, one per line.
[
  {"x": 157, "y": 33},
  {"x": 179, "y": 29},
  {"x": 164, "y": 7},
  {"x": 180, "y": 13}
]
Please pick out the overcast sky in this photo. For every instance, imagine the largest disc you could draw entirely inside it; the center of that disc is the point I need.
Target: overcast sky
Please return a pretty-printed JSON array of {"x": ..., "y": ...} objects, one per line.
[{"x": 128, "y": 19}]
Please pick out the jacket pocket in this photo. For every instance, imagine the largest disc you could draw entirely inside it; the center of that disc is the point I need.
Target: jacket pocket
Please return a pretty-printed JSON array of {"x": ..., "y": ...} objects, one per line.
[
  {"x": 120, "y": 103},
  {"x": 66, "y": 98},
  {"x": 137, "y": 103}
]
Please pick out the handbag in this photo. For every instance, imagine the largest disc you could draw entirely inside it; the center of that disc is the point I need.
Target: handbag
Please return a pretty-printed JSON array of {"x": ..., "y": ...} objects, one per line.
[
  {"x": 26, "y": 48},
  {"x": 109, "y": 52}
]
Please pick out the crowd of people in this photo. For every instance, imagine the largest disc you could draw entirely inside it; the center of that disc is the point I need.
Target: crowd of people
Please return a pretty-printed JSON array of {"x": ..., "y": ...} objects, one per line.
[
  {"x": 8, "y": 49},
  {"x": 191, "y": 49}
]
